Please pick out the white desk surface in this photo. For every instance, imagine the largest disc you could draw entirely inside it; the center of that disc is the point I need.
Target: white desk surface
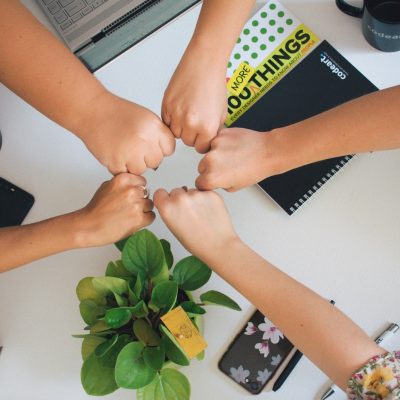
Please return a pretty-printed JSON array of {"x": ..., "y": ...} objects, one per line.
[{"x": 344, "y": 243}]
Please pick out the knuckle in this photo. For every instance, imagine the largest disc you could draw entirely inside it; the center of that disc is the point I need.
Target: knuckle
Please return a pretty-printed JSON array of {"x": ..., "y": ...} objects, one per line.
[
  {"x": 164, "y": 208},
  {"x": 187, "y": 138},
  {"x": 191, "y": 119},
  {"x": 170, "y": 148},
  {"x": 209, "y": 129},
  {"x": 183, "y": 200},
  {"x": 138, "y": 180},
  {"x": 132, "y": 195},
  {"x": 212, "y": 159},
  {"x": 212, "y": 179},
  {"x": 121, "y": 179},
  {"x": 136, "y": 210}
]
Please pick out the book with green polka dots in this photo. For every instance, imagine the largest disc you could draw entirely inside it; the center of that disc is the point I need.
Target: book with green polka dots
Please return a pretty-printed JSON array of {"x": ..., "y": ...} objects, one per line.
[
  {"x": 265, "y": 31},
  {"x": 272, "y": 42}
]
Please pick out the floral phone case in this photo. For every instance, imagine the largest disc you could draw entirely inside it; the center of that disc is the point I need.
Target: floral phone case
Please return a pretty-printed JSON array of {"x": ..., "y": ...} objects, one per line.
[{"x": 256, "y": 354}]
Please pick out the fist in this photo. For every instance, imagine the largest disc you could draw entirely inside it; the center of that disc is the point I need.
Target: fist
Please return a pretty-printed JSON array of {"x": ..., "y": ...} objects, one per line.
[
  {"x": 194, "y": 105},
  {"x": 238, "y": 158},
  {"x": 126, "y": 137},
  {"x": 118, "y": 209},
  {"x": 199, "y": 220}
]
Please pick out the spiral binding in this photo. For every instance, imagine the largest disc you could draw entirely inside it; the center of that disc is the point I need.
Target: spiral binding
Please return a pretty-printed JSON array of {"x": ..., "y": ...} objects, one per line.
[{"x": 320, "y": 183}]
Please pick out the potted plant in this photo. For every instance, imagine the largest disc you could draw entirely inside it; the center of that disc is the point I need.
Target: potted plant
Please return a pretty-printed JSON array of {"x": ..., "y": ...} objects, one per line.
[{"x": 126, "y": 344}]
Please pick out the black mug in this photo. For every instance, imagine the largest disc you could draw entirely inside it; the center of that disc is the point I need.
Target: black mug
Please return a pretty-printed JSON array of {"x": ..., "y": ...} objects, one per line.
[{"x": 380, "y": 22}]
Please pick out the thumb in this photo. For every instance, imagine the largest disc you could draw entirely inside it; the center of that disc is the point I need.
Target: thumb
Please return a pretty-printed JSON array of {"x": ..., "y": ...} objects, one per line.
[
  {"x": 203, "y": 182},
  {"x": 160, "y": 198},
  {"x": 167, "y": 141}
]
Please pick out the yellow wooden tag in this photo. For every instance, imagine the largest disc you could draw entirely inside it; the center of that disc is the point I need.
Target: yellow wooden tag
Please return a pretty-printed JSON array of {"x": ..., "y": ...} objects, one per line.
[
  {"x": 240, "y": 78},
  {"x": 184, "y": 331}
]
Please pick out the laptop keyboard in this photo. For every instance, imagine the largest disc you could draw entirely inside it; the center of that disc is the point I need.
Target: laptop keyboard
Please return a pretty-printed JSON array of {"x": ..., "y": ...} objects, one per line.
[{"x": 67, "y": 12}]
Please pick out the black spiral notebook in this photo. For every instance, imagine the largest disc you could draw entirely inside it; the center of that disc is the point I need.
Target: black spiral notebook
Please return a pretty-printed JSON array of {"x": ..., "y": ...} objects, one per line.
[{"x": 323, "y": 80}]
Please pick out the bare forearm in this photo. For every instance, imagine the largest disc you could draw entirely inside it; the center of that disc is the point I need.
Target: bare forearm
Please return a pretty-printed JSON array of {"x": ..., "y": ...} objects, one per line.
[
  {"x": 23, "y": 244},
  {"x": 219, "y": 26},
  {"x": 323, "y": 333},
  {"x": 366, "y": 124},
  {"x": 41, "y": 70}
]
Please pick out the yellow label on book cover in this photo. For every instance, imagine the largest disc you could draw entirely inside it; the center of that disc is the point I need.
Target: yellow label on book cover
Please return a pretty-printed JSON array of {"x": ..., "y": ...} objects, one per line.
[
  {"x": 240, "y": 78},
  {"x": 184, "y": 331},
  {"x": 275, "y": 66}
]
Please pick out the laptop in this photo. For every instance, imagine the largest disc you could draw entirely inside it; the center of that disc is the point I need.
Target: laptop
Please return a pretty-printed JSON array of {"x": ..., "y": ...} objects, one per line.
[{"x": 99, "y": 30}]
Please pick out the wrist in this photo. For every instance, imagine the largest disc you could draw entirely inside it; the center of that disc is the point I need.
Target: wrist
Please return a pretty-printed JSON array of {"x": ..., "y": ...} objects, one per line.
[
  {"x": 77, "y": 231},
  {"x": 64, "y": 232},
  {"x": 221, "y": 250},
  {"x": 92, "y": 113},
  {"x": 207, "y": 51},
  {"x": 285, "y": 150}
]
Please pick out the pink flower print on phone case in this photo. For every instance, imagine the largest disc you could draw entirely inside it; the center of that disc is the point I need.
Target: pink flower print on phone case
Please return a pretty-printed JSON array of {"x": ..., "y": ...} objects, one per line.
[
  {"x": 271, "y": 332},
  {"x": 239, "y": 374}
]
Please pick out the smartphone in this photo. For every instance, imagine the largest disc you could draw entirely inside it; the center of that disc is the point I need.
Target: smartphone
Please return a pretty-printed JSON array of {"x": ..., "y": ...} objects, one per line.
[
  {"x": 15, "y": 204},
  {"x": 257, "y": 355}
]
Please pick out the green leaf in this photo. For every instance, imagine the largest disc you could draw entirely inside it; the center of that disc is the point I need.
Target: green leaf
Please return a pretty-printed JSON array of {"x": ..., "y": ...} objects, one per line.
[
  {"x": 164, "y": 295},
  {"x": 162, "y": 276},
  {"x": 117, "y": 270},
  {"x": 99, "y": 326},
  {"x": 89, "y": 345},
  {"x": 86, "y": 291},
  {"x": 191, "y": 273},
  {"x": 169, "y": 384},
  {"x": 173, "y": 350},
  {"x": 110, "y": 357},
  {"x": 121, "y": 301},
  {"x": 131, "y": 295},
  {"x": 154, "y": 357},
  {"x": 99, "y": 334},
  {"x": 169, "y": 258},
  {"x": 131, "y": 372},
  {"x": 97, "y": 378},
  {"x": 201, "y": 356},
  {"x": 117, "y": 286},
  {"x": 140, "y": 310},
  {"x": 111, "y": 284},
  {"x": 143, "y": 252},
  {"x": 153, "y": 307},
  {"x": 117, "y": 317},
  {"x": 135, "y": 290},
  {"x": 90, "y": 311},
  {"x": 213, "y": 297},
  {"x": 121, "y": 243},
  {"x": 145, "y": 333},
  {"x": 97, "y": 374},
  {"x": 192, "y": 308},
  {"x": 105, "y": 347}
]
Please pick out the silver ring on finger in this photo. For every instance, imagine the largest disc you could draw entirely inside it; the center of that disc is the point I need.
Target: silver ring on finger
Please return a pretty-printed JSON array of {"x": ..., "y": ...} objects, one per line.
[{"x": 146, "y": 191}]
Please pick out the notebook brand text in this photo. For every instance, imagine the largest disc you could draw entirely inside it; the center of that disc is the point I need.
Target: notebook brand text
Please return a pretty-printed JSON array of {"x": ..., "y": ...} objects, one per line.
[{"x": 333, "y": 66}]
